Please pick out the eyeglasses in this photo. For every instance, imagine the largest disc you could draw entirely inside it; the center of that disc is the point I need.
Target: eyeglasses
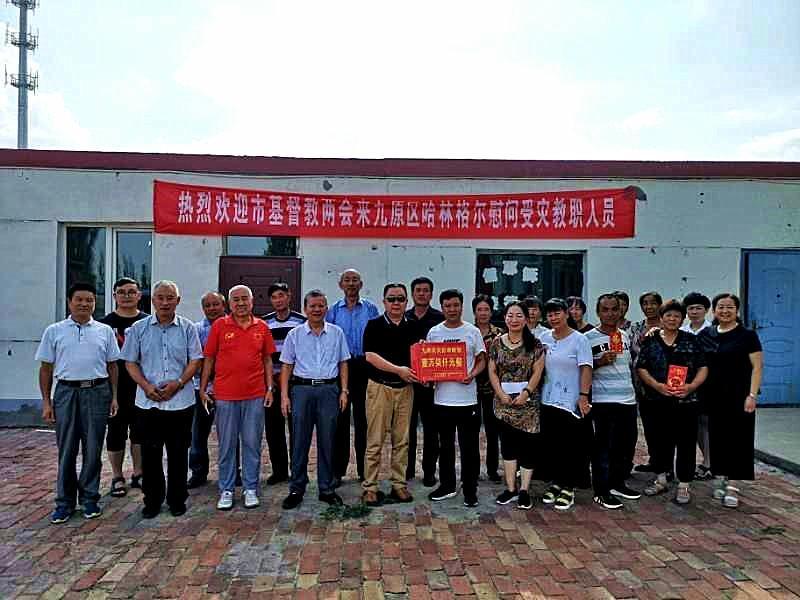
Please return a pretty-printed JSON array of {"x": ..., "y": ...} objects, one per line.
[
  {"x": 128, "y": 293},
  {"x": 391, "y": 299}
]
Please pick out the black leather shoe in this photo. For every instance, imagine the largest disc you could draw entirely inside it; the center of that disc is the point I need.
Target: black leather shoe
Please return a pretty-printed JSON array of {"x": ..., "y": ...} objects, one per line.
[
  {"x": 333, "y": 499},
  {"x": 275, "y": 479},
  {"x": 150, "y": 512},
  {"x": 177, "y": 511},
  {"x": 291, "y": 501},
  {"x": 195, "y": 481}
]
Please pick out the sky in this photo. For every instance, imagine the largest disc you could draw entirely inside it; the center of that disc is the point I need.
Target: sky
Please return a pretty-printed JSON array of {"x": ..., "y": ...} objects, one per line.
[{"x": 601, "y": 80}]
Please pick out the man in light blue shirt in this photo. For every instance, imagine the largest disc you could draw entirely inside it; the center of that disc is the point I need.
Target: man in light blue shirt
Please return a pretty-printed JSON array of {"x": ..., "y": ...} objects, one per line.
[
  {"x": 351, "y": 314},
  {"x": 213, "y": 305},
  {"x": 162, "y": 353},
  {"x": 82, "y": 354},
  {"x": 314, "y": 356}
]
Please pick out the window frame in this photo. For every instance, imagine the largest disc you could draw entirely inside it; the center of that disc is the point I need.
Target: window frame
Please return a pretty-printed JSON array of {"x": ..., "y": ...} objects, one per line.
[
  {"x": 110, "y": 260},
  {"x": 532, "y": 252},
  {"x": 226, "y": 252}
]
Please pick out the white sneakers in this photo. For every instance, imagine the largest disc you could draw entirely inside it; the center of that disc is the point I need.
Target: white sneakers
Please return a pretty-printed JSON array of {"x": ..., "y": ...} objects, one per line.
[
  {"x": 225, "y": 500},
  {"x": 251, "y": 499}
]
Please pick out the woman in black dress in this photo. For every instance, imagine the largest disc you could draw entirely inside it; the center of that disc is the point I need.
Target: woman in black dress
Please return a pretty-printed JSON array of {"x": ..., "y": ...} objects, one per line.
[{"x": 735, "y": 362}]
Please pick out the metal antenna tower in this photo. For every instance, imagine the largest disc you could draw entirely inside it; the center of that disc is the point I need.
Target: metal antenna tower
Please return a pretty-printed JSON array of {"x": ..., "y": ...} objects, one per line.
[{"x": 25, "y": 41}]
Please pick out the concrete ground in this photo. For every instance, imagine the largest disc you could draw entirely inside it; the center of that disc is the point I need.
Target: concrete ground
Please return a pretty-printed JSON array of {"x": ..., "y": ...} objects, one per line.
[
  {"x": 778, "y": 437},
  {"x": 651, "y": 549}
]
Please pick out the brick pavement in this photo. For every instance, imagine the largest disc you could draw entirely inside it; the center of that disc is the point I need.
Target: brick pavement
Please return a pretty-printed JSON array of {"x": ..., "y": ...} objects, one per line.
[{"x": 651, "y": 549}]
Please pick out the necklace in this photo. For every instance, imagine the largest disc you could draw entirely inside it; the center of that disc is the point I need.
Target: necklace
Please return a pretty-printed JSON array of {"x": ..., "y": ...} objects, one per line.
[{"x": 512, "y": 341}]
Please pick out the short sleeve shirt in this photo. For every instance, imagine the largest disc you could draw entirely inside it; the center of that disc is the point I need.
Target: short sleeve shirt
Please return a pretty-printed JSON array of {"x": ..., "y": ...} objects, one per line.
[
  {"x": 126, "y": 387},
  {"x": 280, "y": 328},
  {"x": 315, "y": 356},
  {"x": 78, "y": 352},
  {"x": 453, "y": 393},
  {"x": 162, "y": 352},
  {"x": 612, "y": 383},
  {"x": 239, "y": 355},
  {"x": 562, "y": 375},
  {"x": 656, "y": 357},
  {"x": 516, "y": 365},
  {"x": 353, "y": 321},
  {"x": 392, "y": 342}
]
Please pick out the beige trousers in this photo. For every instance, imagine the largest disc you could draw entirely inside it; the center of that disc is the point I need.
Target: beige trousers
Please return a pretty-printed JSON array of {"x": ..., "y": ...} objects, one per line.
[{"x": 388, "y": 411}]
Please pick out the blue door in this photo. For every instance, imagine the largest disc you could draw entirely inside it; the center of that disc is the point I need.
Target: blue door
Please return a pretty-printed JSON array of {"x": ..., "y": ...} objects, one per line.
[{"x": 773, "y": 309}]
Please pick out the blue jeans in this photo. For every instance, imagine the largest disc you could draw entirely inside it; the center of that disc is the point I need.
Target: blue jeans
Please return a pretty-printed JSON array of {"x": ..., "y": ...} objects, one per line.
[
  {"x": 313, "y": 405},
  {"x": 81, "y": 417},
  {"x": 235, "y": 419}
]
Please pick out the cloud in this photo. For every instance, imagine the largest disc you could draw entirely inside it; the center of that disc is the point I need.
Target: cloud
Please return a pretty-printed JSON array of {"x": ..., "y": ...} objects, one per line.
[
  {"x": 372, "y": 79},
  {"x": 644, "y": 119},
  {"x": 51, "y": 124},
  {"x": 780, "y": 145}
]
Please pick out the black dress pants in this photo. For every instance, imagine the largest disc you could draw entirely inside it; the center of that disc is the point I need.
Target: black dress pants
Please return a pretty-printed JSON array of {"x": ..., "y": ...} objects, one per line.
[
  {"x": 357, "y": 406},
  {"x": 490, "y": 428},
  {"x": 275, "y": 432},
  {"x": 423, "y": 411},
  {"x": 170, "y": 429}
]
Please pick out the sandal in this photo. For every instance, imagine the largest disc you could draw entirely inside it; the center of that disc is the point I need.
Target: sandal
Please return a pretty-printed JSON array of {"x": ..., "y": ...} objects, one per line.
[
  {"x": 658, "y": 486},
  {"x": 702, "y": 473},
  {"x": 118, "y": 489},
  {"x": 136, "y": 481}
]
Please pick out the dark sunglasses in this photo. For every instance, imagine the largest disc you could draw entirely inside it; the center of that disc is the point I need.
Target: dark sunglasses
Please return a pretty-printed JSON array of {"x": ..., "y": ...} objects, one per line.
[{"x": 391, "y": 299}]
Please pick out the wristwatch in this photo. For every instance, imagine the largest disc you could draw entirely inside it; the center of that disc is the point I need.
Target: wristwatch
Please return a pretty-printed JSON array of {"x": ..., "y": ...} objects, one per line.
[
  {"x": 346, "y": 392},
  {"x": 180, "y": 383}
]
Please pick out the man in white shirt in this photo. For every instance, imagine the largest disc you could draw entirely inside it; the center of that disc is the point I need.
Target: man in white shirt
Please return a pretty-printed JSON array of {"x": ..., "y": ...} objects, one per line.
[
  {"x": 82, "y": 354},
  {"x": 456, "y": 404}
]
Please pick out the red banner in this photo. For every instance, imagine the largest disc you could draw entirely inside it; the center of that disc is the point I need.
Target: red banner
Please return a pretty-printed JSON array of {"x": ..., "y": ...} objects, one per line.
[
  {"x": 439, "y": 361},
  {"x": 199, "y": 210}
]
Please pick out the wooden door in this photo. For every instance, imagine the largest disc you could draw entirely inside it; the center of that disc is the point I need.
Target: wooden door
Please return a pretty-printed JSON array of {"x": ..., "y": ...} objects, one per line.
[{"x": 258, "y": 273}]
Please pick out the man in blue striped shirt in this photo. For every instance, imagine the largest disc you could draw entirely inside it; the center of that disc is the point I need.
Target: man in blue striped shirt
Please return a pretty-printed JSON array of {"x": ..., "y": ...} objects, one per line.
[{"x": 281, "y": 321}]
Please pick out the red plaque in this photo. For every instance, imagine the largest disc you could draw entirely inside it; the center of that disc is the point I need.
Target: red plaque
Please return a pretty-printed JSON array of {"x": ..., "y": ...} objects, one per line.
[
  {"x": 676, "y": 376},
  {"x": 615, "y": 342},
  {"x": 439, "y": 361}
]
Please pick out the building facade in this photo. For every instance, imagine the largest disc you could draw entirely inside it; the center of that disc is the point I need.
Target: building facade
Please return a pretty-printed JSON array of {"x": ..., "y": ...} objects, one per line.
[{"x": 77, "y": 216}]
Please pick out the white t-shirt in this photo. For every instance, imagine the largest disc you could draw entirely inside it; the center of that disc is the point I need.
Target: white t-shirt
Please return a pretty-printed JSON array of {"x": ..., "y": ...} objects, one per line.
[
  {"x": 688, "y": 326},
  {"x": 539, "y": 331},
  {"x": 452, "y": 393},
  {"x": 612, "y": 383},
  {"x": 562, "y": 375}
]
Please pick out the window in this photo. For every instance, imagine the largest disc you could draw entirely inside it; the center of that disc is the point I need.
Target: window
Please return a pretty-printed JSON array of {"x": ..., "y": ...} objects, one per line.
[
  {"x": 240, "y": 245},
  {"x": 507, "y": 276},
  {"x": 135, "y": 260},
  {"x": 89, "y": 259},
  {"x": 86, "y": 261}
]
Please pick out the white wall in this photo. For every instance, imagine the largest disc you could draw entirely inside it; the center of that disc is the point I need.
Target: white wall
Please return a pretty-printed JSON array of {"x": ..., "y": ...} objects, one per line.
[{"x": 689, "y": 235}]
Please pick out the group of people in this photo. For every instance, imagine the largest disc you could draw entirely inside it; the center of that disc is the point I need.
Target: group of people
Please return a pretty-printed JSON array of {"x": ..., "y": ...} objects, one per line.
[{"x": 558, "y": 401}]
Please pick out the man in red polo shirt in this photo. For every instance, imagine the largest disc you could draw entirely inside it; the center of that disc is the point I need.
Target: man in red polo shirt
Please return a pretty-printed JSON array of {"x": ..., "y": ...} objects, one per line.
[{"x": 239, "y": 353}]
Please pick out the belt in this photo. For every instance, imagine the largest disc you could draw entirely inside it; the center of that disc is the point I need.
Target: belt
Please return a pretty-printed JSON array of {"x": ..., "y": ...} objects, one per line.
[
  {"x": 86, "y": 383},
  {"x": 304, "y": 381},
  {"x": 397, "y": 385}
]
